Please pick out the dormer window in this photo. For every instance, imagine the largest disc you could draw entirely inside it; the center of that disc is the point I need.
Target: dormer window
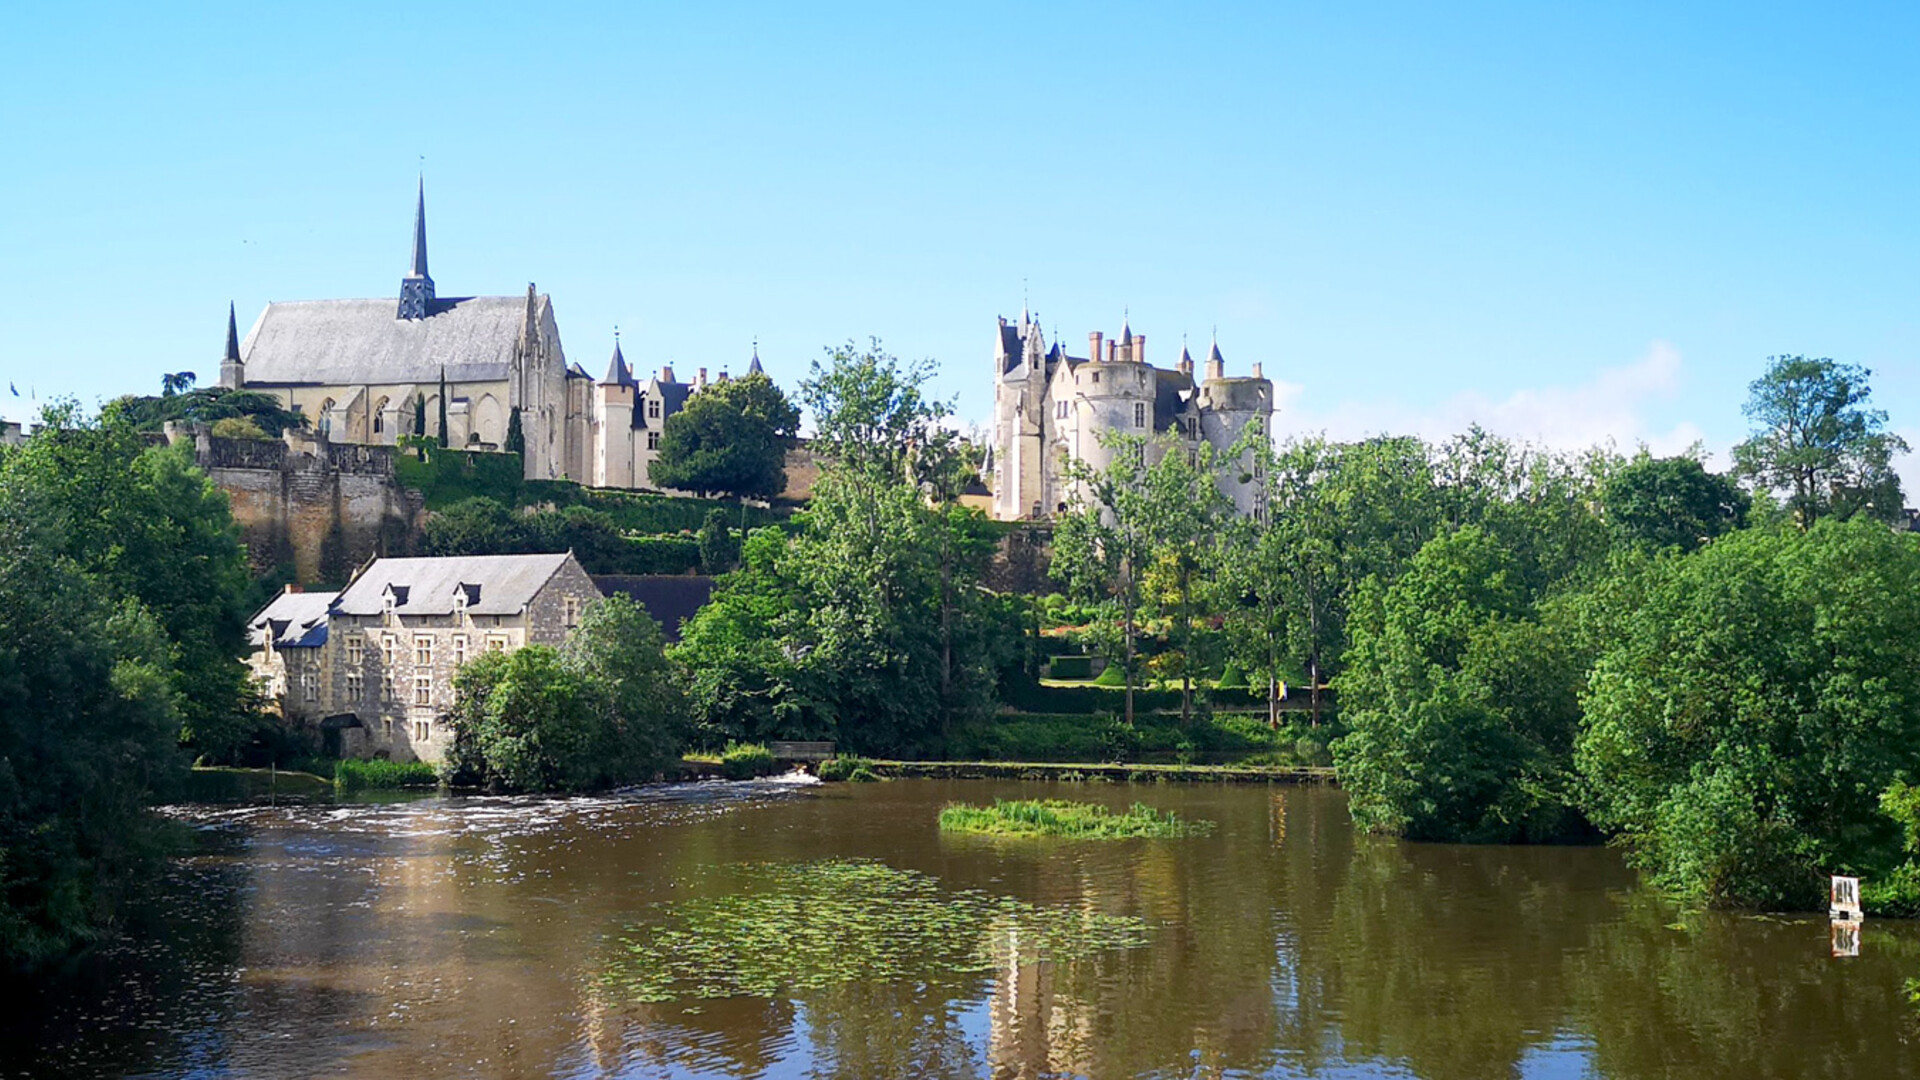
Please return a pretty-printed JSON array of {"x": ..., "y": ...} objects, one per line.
[{"x": 653, "y": 408}]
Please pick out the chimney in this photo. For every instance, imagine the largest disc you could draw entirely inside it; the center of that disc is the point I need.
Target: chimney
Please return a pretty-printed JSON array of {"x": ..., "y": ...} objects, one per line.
[
  {"x": 1113, "y": 351},
  {"x": 700, "y": 379},
  {"x": 1256, "y": 370},
  {"x": 1139, "y": 348},
  {"x": 1093, "y": 345},
  {"x": 666, "y": 374},
  {"x": 293, "y": 587}
]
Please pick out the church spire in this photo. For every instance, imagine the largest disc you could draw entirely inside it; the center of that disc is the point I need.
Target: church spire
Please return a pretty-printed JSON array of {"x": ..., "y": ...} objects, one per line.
[
  {"x": 416, "y": 289},
  {"x": 233, "y": 374},
  {"x": 753, "y": 366}
]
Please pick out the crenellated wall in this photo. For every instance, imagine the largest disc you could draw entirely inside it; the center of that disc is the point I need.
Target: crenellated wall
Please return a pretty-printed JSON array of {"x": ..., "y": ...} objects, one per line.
[{"x": 323, "y": 507}]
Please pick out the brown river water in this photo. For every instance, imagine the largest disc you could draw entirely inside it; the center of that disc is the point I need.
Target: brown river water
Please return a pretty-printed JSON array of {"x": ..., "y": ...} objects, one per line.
[{"x": 479, "y": 937}]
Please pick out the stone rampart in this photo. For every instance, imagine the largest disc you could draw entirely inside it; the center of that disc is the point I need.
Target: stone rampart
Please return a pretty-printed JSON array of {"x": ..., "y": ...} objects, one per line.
[{"x": 322, "y": 507}]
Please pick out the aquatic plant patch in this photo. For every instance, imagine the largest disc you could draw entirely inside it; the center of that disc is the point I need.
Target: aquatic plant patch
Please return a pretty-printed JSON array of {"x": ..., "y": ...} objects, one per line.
[
  {"x": 805, "y": 926},
  {"x": 1058, "y": 817}
]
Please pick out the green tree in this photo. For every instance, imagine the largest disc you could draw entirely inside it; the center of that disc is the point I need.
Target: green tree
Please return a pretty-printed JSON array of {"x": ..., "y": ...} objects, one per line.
[
  {"x": 1103, "y": 544},
  {"x": 1185, "y": 516},
  {"x": 1671, "y": 502},
  {"x": 516, "y": 436},
  {"x": 869, "y": 410},
  {"x": 443, "y": 408},
  {"x": 602, "y": 709},
  {"x": 1817, "y": 444},
  {"x": 89, "y": 729},
  {"x": 146, "y": 524},
  {"x": 866, "y": 625},
  {"x": 719, "y": 548},
  {"x": 731, "y": 439},
  {"x": 206, "y": 405},
  {"x": 1336, "y": 514},
  {"x": 475, "y": 526},
  {"x": 1461, "y": 702},
  {"x": 1752, "y": 706}
]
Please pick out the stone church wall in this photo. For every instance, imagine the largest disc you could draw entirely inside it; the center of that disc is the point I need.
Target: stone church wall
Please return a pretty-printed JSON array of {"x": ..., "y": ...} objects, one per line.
[{"x": 324, "y": 508}]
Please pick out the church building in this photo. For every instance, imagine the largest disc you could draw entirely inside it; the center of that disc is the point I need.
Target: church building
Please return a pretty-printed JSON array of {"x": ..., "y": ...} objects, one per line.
[
  {"x": 370, "y": 371},
  {"x": 1050, "y": 409}
]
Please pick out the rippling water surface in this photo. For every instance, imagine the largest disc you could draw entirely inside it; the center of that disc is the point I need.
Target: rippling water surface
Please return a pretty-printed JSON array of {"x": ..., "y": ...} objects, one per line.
[{"x": 487, "y": 937}]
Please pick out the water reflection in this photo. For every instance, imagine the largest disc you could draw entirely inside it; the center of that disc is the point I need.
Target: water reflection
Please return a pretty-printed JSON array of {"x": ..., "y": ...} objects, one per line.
[{"x": 472, "y": 938}]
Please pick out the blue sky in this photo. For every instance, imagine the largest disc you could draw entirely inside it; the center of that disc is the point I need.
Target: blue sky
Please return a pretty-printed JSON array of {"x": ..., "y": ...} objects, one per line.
[{"x": 1565, "y": 224}]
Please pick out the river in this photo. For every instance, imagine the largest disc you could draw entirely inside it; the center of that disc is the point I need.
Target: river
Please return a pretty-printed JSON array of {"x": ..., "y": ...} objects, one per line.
[{"x": 504, "y": 936}]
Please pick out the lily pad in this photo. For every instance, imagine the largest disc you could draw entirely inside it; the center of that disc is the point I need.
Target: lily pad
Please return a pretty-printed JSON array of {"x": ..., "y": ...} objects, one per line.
[{"x": 807, "y": 926}]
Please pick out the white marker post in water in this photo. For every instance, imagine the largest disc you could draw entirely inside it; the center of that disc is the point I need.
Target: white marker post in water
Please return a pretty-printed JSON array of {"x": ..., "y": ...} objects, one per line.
[{"x": 1844, "y": 902}]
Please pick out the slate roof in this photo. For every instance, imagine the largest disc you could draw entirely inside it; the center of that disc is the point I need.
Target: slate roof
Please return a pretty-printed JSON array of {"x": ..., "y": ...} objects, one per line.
[
  {"x": 343, "y": 342},
  {"x": 670, "y": 599},
  {"x": 1171, "y": 391},
  {"x": 296, "y": 621},
  {"x": 507, "y": 584}
]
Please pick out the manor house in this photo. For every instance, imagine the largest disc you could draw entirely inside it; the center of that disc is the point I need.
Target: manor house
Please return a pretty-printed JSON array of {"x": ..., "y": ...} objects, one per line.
[
  {"x": 372, "y": 666},
  {"x": 369, "y": 371},
  {"x": 1050, "y": 409}
]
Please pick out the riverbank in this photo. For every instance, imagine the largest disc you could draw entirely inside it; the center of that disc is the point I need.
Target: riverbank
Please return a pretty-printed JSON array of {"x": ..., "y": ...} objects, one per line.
[{"x": 1104, "y": 772}]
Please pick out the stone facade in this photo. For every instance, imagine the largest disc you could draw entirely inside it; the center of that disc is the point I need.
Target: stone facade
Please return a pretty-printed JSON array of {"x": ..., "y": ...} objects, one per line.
[
  {"x": 319, "y": 506},
  {"x": 1051, "y": 409},
  {"x": 373, "y": 665},
  {"x": 368, "y": 372}
]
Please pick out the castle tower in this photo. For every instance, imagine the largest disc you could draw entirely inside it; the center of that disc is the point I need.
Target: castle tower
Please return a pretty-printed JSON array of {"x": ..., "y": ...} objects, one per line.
[
  {"x": 1228, "y": 406},
  {"x": 613, "y": 441},
  {"x": 416, "y": 289},
  {"x": 233, "y": 372}
]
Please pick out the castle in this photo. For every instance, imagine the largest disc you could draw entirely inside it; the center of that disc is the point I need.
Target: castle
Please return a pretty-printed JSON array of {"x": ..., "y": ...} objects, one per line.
[
  {"x": 1050, "y": 408},
  {"x": 368, "y": 371}
]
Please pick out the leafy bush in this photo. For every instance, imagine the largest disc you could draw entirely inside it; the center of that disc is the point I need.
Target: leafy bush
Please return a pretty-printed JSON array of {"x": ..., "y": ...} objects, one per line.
[
  {"x": 353, "y": 774},
  {"x": 1232, "y": 678},
  {"x": 848, "y": 768},
  {"x": 1112, "y": 675},
  {"x": 1070, "y": 667},
  {"x": 744, "y": 761}
]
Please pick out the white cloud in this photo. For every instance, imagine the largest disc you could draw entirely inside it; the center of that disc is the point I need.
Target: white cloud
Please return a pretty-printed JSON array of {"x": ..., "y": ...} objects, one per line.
[{"x": 1614, "y": 406}]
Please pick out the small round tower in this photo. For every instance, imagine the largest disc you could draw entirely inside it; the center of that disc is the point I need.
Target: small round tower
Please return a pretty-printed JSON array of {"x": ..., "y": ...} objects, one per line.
[{"x": 1228, "y": 406}]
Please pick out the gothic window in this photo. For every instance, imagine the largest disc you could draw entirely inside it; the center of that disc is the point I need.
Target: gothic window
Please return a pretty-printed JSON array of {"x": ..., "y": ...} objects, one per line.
[
  {"x": 1139, "y": 414},
  {"x": 326, "y": 419}
]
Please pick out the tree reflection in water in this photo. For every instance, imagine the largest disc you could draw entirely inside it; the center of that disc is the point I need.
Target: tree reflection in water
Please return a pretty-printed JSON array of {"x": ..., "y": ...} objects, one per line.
[{"x": 474, "y": 938}]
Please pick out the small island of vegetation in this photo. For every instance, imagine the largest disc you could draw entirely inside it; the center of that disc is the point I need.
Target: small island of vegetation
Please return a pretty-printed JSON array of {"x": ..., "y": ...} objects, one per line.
[{"x": 1075, "y": 821}]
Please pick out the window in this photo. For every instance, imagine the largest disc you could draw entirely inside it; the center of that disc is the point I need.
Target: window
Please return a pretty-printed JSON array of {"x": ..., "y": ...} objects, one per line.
[
  {"x": 387, "y": 692},
  {"x": 459, "y": 649},
  {"x": 388, "y": 724},
  {"x": 356, "y": 686},
  {"x": 310, "y": 686},
  {"x": 422, "y": 651},
  {"x": 570, "y": 611},
  {"x": 423, "y": 689},
  {"x": 496, "y": 643},
  {"x": 1060, "y": 410},
  {"x": 653, "y": 440},
  {"x": 387, "y": 605},
  {"x": 389, "y": 645},
  {"x": 1193, "y": 459},
  {"x": 422, "y": 730},
  {"x": 1096, "y": 378},
  {"x": 356, "y": 650},
  {"x": 1139, "y": 414},
  {"x": 653, "y": 408}
]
